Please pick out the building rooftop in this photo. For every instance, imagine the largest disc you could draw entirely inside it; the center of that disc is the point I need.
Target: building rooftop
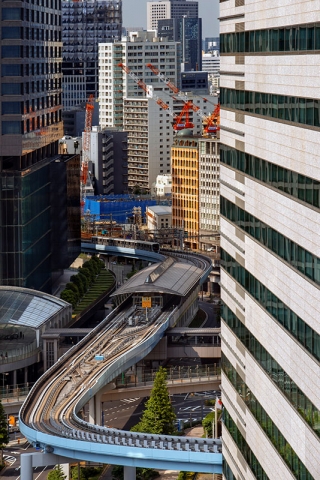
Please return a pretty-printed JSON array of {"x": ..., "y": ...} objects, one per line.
[
  {"x": 161, "y": 209},
  {"x": 27, "y": 308},
  {"x": 176, "y": 277}
]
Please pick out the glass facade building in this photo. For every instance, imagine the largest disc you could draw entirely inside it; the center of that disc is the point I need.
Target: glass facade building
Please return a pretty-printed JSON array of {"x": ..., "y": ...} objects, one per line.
[
  {"x": 30, "y": 128},
  {"x": 270, "y": 237},
  {"x": 85, "y": 24}
]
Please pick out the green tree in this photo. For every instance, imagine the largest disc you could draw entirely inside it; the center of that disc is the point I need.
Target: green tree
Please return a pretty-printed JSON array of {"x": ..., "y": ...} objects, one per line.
[
  {"x": 207, "y": 424},
  {"x": 87, "y": 272},
  {"x": 76, "y": 279},
  {"x": 56, "y": 474},
  {"x": 69, "y": 296},
  {"x": 141, "y": 473},
  {"x": 73, "y": 287},
  {"x": 159, "y": 416},
  {"x": 84, "y": 280},
  {"x": 4, "y": 430}
]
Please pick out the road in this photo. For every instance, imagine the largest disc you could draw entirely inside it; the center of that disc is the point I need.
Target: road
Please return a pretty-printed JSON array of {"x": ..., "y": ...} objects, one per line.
[
  {"x": 213, "y": 312},
  {"x": 124, "y": 414},
  {"x": 12, "y": 457}
]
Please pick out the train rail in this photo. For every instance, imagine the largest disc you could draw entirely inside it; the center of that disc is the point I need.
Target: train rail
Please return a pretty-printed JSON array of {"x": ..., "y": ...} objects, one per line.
[{"x": 50, "y": 416}]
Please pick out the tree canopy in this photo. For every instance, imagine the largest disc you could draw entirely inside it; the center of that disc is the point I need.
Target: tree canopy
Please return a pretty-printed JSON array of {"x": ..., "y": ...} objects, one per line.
[
  {"x": 4, "y": 432},
  {"x": 56, "y": 474},
  {"x": 159, "y": 416}
]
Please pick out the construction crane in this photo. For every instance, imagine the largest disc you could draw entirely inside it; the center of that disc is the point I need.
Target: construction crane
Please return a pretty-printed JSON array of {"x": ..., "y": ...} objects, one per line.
[
  {"x": 86, "y": 148},
  {"x": 178, "y": 125},
  {"x": 211, "y": 122}
]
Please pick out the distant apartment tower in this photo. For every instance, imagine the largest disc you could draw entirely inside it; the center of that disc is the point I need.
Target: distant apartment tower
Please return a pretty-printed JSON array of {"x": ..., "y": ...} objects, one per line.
[
  {"x": 109, "y": 157},
  {"x": 170, "y": 9},
  {"x": 38, "y": 231},
  {"x": 195, "y": 188},
  {"x": 211, "y": 62},
  {"x": 124, "y": 103},
  {"x": 85, "y": 24},
  {"x": 135, "y": 52},
  {"x": 209, "y": 188},
  {"x": 270, "y": 238}
]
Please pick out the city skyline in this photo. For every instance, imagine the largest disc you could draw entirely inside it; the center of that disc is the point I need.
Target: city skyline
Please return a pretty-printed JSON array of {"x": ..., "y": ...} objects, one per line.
[{"x": 137, "y": 16}]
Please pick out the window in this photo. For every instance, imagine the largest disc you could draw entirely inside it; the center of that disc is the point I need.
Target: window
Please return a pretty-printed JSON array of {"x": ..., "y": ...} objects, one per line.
[
  {"x": 11, "y": 14},
  {"x": 11, "y": 89},
  {"x": 11, "y": 70},
  {"x": 10, "y": 51},
  {"x": 11, "y": 128},
  {"x": 11, "y": 32},
  {"x": 9, "y": 108}
]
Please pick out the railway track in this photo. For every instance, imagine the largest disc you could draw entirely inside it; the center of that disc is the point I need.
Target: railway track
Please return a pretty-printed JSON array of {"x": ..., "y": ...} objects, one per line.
[{"x": 52, "y": 406}]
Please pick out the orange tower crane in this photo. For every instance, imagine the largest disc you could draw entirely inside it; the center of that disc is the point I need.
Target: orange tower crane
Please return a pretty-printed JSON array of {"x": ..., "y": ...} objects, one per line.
[
  {"x": 178, "y": 125},
  {"x": 211, "y": 122}
]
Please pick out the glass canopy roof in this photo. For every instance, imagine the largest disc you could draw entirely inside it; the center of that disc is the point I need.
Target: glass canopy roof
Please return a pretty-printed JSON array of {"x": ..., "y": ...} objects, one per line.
[{"x": 27, "y": 308}]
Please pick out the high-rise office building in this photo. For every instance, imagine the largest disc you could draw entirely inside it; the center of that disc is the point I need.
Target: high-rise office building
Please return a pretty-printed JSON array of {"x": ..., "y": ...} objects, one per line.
[
  {"x": 170, "y": 9},
  {"x": 85, "y": 24},
  {"x": 270, "y": 237},
  {"x": 187, "y": 31},
  {"x": 31, "y": 126}
]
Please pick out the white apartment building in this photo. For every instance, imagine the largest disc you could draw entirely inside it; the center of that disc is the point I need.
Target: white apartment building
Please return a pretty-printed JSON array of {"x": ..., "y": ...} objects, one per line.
[
  {"x": 123, "y": 102},
  {"x": 270, "y": 239},
  {"x": 209, "y": 188},
  {"x": 211, "y": 62},
  {"x": 134, "y": 51},
  {"x": 163, "y": 185},
  {"x": 169, "y": 9},
  {"x": 151, "y": 134}
]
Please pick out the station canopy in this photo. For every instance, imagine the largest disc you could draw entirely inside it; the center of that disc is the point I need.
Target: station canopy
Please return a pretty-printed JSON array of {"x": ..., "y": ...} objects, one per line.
[
  {"x": 173, "y": 276},
  {"x": 27, "y": 308}
]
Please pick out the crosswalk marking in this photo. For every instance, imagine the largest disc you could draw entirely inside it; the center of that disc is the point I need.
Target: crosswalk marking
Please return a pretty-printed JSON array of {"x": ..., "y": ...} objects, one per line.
[{"x": 129, "y": 400}]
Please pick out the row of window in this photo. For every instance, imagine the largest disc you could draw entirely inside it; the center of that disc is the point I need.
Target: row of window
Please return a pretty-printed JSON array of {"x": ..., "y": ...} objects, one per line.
[
  {"x": 244, "y": 448},
  {"x": 305, "y": 111},
  {"x": 298, "y": 257},
  {"x": 28, "y": 33},
  {"x": 276, "y": 373},
  {"x": 227, "y": 472},
  {"x": 30, "y": 125},
  {"x": 301, "y": 331},
  {"x": 38, "y": 87},
  {"x": 31, "y": 15},
  {"x": 298, "y": 186},
  {"x": 281, "y": 444},
  {"x": 34, "y": 52},
  {"x": 285, "y": 39}
]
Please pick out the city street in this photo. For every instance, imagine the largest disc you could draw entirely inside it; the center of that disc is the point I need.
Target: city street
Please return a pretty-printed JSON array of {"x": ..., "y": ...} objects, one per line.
[
  {"x": 213, "y": 312},
  {"x": 124, "y": 414},
  {"x": 12, "y": 454}
]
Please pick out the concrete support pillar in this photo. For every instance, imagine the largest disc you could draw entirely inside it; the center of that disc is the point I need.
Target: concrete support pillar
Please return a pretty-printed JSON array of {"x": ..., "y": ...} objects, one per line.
[
  {"x": 14, "y": 378},
  {"x": 129, "y": 473},
  {"x": 98, "y": 409},
  {"x": 25, "y": 374},
  {"x": 92, "y": 416},
  {"x": 26, "y": 467}
]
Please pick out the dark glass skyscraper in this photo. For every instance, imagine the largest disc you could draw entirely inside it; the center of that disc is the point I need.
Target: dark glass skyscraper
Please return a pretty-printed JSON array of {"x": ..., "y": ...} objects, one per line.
[
  {"x": 188, "y": 31},
  {"x": 30, "y": 127},
  {"x": 85, "y": 24}
]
